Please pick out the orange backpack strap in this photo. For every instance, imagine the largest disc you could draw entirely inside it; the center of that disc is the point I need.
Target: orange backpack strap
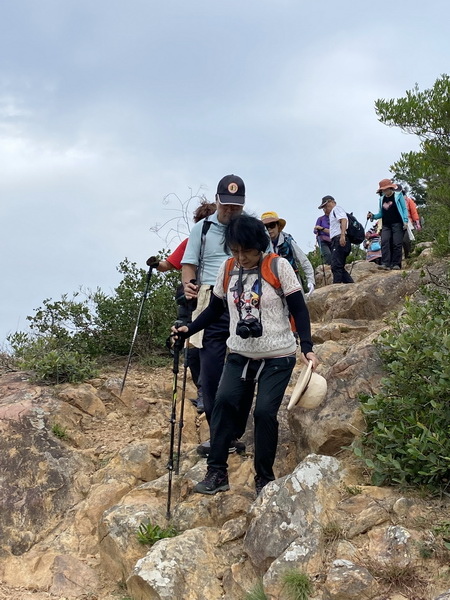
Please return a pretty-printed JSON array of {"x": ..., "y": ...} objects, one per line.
[
  {"x": 269, "y": 272},
  {"x": 229, "y": 266}
]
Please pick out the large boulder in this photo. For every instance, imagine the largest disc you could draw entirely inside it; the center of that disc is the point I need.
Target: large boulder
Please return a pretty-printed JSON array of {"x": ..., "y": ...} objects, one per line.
[
  {"x": 293, "y": 509},
  {"x": 38, "y": 468}
]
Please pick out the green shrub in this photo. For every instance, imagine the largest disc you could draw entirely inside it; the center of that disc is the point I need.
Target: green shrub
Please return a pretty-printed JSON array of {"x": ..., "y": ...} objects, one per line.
[
  {"x": 51, "y": 363},
  {"x": 149, "y": 534},
  {"x": 68, "y": 334},
  {"x": 408, "y": 421}
]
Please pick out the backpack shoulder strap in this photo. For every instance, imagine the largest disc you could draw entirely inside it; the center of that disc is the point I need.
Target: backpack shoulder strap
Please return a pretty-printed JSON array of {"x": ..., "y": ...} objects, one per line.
[
  {"x": 229, "y": 265},
  {"x": 269, "y": 270},
  {"x": 205, "y": 228}
]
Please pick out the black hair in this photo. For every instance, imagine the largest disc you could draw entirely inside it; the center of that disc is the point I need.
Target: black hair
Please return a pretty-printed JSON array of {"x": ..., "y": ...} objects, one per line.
[{"x": 247, "y": 232}]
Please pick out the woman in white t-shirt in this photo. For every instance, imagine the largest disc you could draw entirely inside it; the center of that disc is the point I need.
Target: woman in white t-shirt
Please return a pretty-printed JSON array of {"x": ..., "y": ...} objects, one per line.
[{"x": 262, "y": 348}]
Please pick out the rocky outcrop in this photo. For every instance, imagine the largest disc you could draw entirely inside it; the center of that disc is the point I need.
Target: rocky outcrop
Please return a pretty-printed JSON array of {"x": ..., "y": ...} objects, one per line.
[{"x": 83, "y": 467}]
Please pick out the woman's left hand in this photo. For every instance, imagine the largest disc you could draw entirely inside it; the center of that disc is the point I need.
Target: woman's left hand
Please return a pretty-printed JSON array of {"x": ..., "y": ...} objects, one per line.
[{"x": 311, "y": 357}]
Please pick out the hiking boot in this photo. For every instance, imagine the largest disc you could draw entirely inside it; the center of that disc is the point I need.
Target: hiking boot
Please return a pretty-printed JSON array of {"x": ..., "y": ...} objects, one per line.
[
  {"x": 396, "y": 268},
  {"x": 385, "y": 267},
  {"x": 235, "y": 446},
  {"x": 215, "y": 481},
  {"x": 260, "y": 483}
]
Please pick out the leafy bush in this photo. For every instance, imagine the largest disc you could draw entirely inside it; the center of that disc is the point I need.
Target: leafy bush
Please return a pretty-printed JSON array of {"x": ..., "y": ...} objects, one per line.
[
  {"x": 149, "y": 534},
  {"x": 407, "y": 440},
  {"x": 51, "y": 362},
  {"x": 67, "y": 334}
]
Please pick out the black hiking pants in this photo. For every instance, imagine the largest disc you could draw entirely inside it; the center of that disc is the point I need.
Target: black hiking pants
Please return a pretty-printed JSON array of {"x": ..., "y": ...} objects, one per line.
[{"x": 233, "y": 404}]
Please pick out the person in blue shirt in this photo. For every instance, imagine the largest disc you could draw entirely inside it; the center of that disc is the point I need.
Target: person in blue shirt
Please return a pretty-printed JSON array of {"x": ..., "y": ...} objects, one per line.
[
  {"x": 394, "y": 215},
  {"x": 204, "y": 255}
]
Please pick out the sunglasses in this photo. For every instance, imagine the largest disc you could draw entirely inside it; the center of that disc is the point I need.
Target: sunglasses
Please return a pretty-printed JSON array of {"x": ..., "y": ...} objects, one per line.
[{"x": 271, "y": 225}]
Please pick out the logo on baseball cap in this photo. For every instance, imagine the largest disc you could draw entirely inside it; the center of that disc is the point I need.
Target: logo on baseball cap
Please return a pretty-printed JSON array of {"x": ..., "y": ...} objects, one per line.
[{"x": 231, "y": 190}]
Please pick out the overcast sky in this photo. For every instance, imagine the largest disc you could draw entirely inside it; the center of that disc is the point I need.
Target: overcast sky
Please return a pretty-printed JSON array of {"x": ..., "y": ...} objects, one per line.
[{"x": 108, "y": 106}]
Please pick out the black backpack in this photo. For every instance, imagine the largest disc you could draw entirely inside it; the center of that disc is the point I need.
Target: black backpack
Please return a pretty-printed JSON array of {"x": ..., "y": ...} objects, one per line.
[{"x": 355, "y": 231}]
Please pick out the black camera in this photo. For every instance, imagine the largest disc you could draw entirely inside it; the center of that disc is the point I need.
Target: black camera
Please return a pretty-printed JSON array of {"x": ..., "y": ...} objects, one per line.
[{"x": 250, "y": 327}]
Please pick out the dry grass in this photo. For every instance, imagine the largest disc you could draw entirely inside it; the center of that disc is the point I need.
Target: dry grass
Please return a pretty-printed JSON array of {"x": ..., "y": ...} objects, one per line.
[{"x": 408, "y": 580}]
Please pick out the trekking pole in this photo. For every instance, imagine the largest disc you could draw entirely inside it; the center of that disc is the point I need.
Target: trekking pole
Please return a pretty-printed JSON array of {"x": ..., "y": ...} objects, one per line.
[
  {"x": 176, "y": 360},
  {"x": 144, "y": 296},
  {"x": 181, "y": 418},
  {"x": 191, "y": 307}
]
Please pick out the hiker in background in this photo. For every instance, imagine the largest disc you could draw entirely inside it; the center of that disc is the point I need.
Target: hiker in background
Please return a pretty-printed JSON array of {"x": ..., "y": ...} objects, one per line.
[
  {"x": 340, "y": 244},
  {"x": 394, "y": 215},
  {"x": 413, "y": 222},
  {"x": 322, "y": 233},
  {"x": 372, "y": 244},
  {"x": 284, "y": 245},
  {"x": 205, "y": 253},
  {"x": 262, "y": 349},
  {"x": 184, "y": 310}
]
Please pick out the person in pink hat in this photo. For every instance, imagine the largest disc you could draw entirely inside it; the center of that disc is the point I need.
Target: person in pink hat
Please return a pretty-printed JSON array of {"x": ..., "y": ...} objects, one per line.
[{"x": 394, "y": 215}]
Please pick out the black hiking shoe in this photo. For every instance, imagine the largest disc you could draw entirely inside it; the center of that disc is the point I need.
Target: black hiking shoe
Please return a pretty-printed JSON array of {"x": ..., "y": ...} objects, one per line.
[
  {"x": 235, "y": 446},
  {"x": 260, "y": 483},
  {"x": 215, "y": 481}
]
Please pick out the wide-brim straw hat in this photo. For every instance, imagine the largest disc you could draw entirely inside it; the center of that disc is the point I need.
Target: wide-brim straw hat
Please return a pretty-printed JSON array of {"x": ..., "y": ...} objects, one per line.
[
  {"x": 310, "y": 389},
  {"x": 271, "y": 216}
]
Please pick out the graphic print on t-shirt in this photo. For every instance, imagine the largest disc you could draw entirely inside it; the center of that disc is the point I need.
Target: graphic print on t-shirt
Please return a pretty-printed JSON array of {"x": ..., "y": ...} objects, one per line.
[{"x": 247, "y": 303}]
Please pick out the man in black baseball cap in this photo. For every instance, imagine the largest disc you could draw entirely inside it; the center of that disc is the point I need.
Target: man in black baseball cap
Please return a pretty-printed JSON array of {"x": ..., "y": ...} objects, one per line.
[
  {"x": 201, "y": 263},
  {"x": 231, "y": 190}
]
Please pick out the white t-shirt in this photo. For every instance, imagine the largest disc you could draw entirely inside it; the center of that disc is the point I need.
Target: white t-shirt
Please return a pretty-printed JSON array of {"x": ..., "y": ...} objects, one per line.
[
  {"x": 277, "y": 338},
  {"x": 335, "y": 215}
]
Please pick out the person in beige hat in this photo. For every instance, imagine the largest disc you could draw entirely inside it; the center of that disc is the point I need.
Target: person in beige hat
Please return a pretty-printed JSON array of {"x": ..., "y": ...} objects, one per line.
[
  {"x": 394, "y": 215},
  {"x": 284, "y": 245}
]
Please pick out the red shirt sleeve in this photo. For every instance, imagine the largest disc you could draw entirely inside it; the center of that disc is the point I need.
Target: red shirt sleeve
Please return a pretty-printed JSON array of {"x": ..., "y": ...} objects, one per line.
[{"x": 177, "y": 255}]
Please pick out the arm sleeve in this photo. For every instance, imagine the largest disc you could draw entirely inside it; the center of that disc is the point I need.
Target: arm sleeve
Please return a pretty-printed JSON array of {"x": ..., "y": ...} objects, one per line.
[
  {"x": 177, "y": 255},
  {"x": 192, "y": 252},
  {"x": 413, "y": 210},
  {"x": 404, "y": 211},
  {"x": 212, "y": 312},
  {"x": 379, "y": 214},
  {"x": 299, "y": 310}
]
